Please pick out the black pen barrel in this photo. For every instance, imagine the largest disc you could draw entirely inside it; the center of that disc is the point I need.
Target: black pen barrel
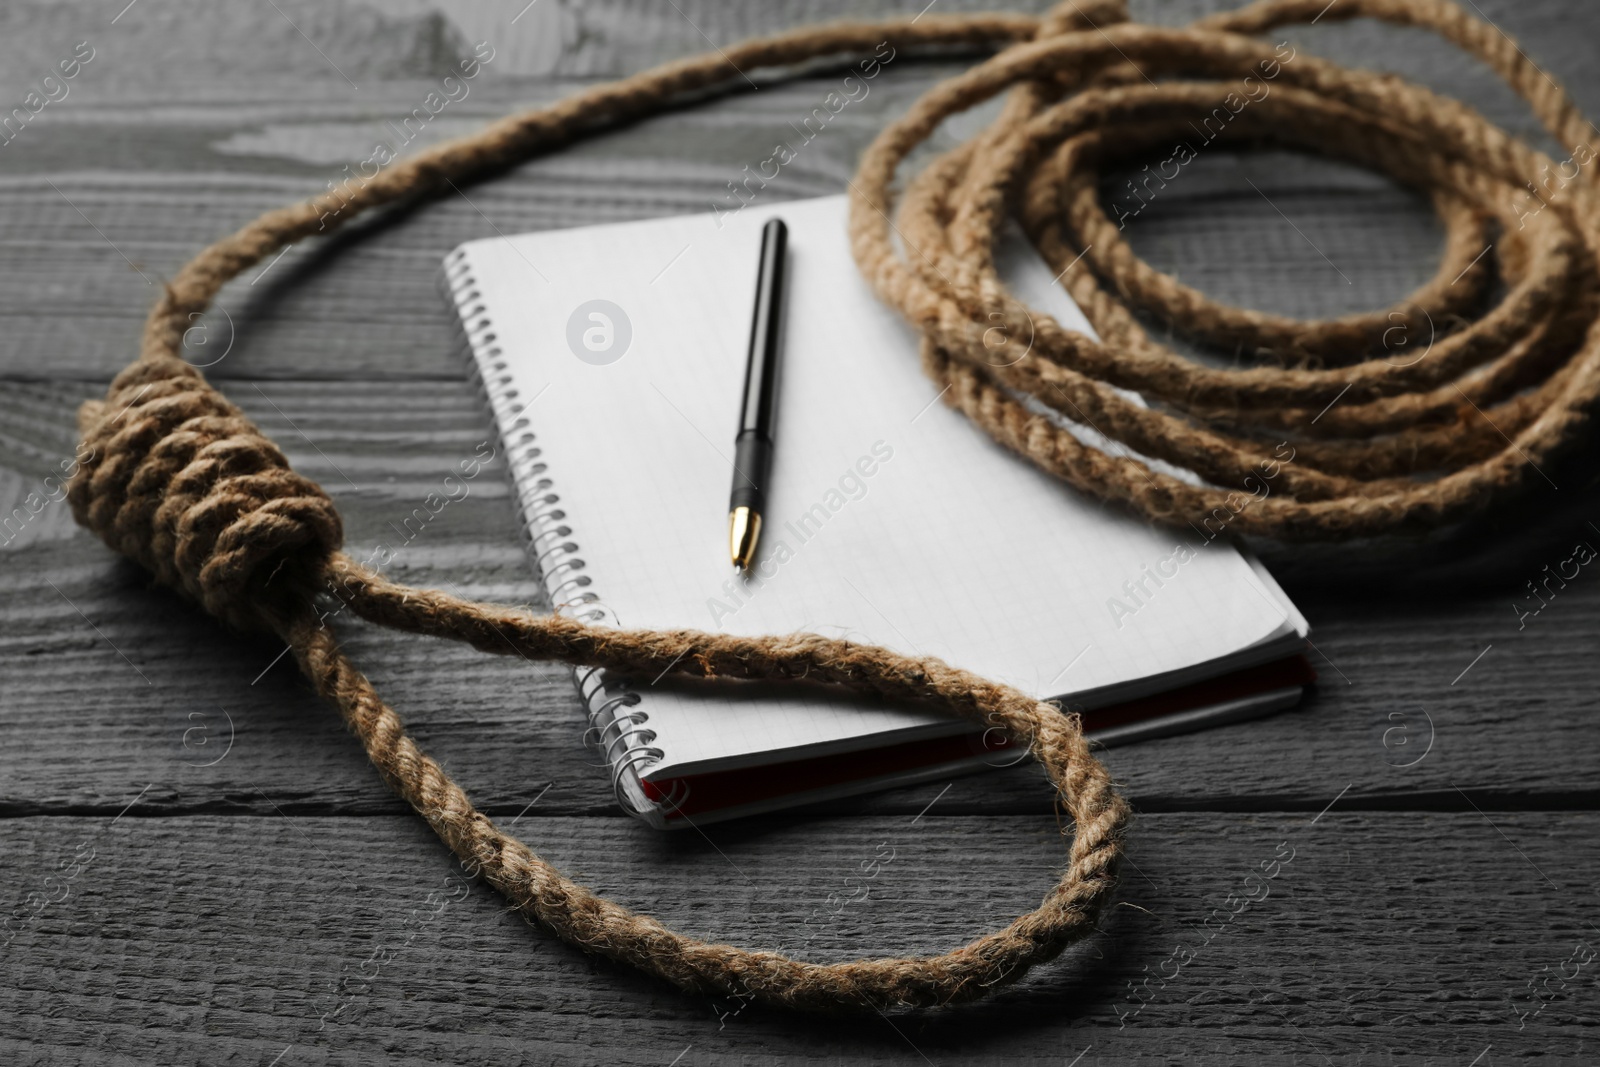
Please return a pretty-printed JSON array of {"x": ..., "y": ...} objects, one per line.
[{"x": 759, "y": 411}]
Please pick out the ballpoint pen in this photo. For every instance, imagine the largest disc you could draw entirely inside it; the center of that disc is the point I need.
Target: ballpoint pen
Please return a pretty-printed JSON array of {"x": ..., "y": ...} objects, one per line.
[{"x": 752, "y": 456}]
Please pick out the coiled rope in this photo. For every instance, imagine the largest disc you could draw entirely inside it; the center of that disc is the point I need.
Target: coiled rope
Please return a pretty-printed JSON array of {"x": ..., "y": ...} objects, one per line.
[{"x": 180, "y": 481}]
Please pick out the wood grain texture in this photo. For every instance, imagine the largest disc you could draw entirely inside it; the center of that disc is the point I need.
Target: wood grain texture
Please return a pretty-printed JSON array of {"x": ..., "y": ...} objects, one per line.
[
  {"x": 212, "y": 940},
  {"x": 1437, "y": 789},
  {"x": 115, "y": 186}
]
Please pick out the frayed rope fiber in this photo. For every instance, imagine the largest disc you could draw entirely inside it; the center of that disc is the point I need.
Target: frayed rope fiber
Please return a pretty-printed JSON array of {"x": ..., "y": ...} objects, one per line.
[{"x": 180, "y": 481}]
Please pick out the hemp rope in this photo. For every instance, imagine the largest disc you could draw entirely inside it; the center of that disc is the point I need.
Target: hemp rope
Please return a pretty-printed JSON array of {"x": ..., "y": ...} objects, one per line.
[{"x": 180, "y": 481}]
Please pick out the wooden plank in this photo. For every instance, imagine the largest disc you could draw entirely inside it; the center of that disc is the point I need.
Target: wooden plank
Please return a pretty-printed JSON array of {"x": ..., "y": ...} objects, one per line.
[
  {"x": 222, "y": 940},
  {"x": 1428, "y": 684},
  {"x": 343, "y": 47}
]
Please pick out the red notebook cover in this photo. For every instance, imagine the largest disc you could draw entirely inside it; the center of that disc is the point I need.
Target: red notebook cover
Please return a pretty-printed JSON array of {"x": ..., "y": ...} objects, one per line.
[{"x": 701, "y": 794}]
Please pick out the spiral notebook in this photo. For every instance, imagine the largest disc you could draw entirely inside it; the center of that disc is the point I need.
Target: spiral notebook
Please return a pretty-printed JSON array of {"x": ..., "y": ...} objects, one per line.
[{"x": 612, "y": 357}]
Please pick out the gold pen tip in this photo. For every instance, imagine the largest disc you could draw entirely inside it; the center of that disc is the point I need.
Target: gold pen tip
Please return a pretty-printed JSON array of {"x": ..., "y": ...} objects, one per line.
[{"x": 744, "y": 528}]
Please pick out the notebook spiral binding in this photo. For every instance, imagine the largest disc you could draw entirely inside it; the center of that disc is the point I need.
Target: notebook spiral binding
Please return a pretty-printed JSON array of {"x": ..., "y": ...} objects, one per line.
[{"x": 616, "y": 726}]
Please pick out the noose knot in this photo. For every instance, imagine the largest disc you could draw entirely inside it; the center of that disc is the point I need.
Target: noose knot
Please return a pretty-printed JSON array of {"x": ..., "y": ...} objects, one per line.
[{"x": 176, "y": 478}]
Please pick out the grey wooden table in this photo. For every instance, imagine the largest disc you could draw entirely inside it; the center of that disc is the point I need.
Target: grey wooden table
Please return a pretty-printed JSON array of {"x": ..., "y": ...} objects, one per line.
[{"x": 199, "y": 861}]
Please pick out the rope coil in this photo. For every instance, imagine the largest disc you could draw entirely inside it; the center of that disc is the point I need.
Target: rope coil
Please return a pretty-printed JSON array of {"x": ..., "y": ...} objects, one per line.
[{"x": 180, "y": 481}]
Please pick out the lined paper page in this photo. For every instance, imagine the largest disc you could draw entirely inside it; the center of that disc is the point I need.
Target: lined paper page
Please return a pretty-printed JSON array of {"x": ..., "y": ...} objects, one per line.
[{"x": 891, "y": 520}]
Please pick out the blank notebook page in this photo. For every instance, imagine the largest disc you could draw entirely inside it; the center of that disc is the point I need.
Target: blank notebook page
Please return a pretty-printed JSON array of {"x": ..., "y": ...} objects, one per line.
[{"x": 890, "y": 519}]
